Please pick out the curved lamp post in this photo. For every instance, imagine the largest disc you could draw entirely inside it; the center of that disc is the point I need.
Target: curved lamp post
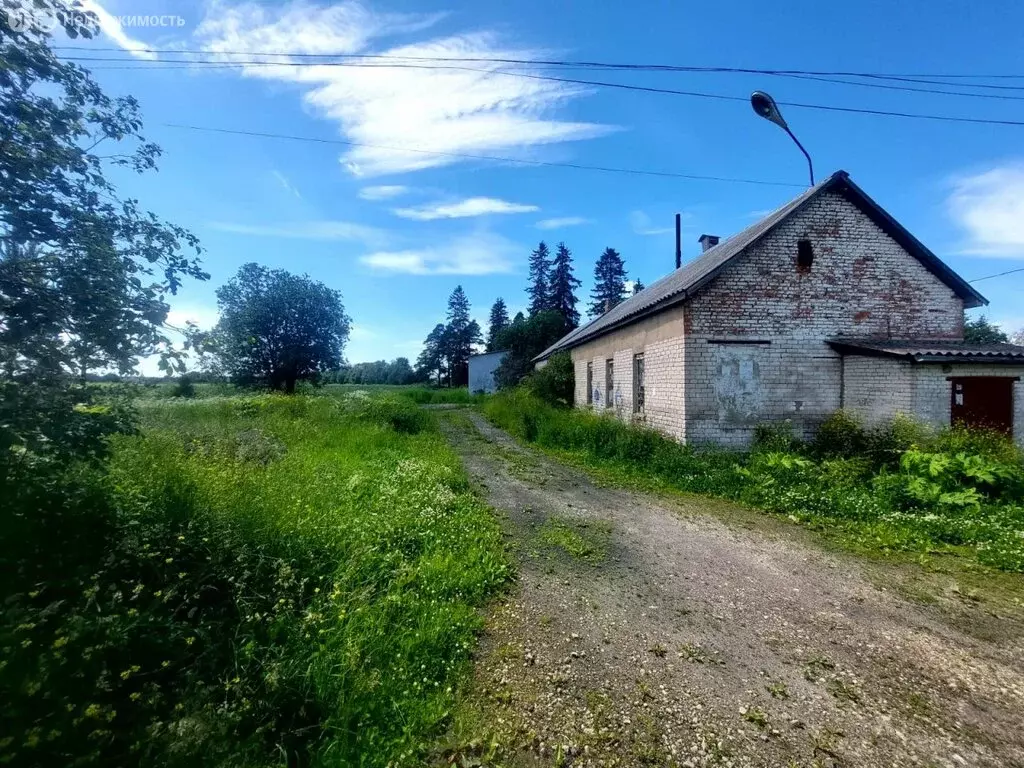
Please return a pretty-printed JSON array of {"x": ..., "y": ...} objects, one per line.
[{"x": 765, "y": 106}]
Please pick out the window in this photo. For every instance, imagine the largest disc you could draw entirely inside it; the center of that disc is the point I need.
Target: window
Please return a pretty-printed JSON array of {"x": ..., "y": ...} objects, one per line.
[
  {"x": 638, "y": 383},
  {"x": 609, "y": 383},
  {"x": 804, "y": 255},
  {"x": 590, "y": 383}
]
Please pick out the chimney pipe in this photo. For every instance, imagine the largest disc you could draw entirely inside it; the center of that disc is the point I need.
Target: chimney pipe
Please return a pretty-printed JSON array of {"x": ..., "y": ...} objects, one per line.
[
  {"x": 679, "y": 241},
  {"x": 707, "y": 242}
]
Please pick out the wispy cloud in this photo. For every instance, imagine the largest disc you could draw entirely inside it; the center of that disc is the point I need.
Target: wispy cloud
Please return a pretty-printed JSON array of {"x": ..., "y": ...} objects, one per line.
[
  {"x": 111, "y": 27},
  {"x": 398, "y": 110},
  {"x": 641, "y": 224},
  {"x": 308, "y": 230},
  {"x": 477, "y": 254},
  {"x": 989, "y": 206},
  {"x": 560, "y": 223},
  {"x": 471, "y": 206},
  {"x": 283, "y": 181},
  {"x": 382, "y": 192}
]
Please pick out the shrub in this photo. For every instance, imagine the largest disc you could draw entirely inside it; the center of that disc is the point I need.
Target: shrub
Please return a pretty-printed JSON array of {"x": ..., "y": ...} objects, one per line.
[
  {"x": 841, "y": 435},
  {"x": 775, "y": 436},
  {"x": 184, "y": 388},
  {"x": 555, "y": 383}
]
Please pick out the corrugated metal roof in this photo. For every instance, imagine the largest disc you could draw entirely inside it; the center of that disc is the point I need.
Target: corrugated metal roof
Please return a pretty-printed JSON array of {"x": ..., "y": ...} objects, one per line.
[
  {"x": 676, "y": 286},
  {"x": 931, "y": 351}
]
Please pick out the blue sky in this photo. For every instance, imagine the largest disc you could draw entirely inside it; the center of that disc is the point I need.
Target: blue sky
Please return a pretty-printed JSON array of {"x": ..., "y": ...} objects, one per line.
[{"x": 395, "y": 231}]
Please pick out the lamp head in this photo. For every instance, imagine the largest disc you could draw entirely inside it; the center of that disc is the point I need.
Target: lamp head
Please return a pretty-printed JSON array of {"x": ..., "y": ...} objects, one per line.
[{"x": 765, "y": 106}]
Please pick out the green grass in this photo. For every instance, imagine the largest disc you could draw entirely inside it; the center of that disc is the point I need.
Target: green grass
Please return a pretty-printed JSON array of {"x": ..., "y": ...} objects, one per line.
[
  {"x": 254, "y": 580},
  {"x": 952, "y": 493},
  {"x": 584, "y": 541},
  {"x": 416, "y": 393}
]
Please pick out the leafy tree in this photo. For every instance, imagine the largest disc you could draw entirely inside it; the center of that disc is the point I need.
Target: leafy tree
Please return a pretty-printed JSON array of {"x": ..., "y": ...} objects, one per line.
[
  {"x": 431, "y": 361},
  {"x": 539, "y": 290},
  {"x": 400, "y": 371},
  {"x": 276, "y": 328},
  {"x": 562, "y": 286},
  {"x": 609, "y": 282},
  {"x": 524, "y": 340},
  {"x": 84, "y": 273},
  {"x": 981, "y": 331},
  {"x": 555, "y": 382},
  {"x": 498, "y": 322},
  {"x": 1018, "y": 337},
  {"x": 460, "y": 334}
]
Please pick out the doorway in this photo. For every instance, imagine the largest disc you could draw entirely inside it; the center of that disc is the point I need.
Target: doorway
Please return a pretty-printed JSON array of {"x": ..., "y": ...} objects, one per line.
[{"x": 983, "y": 401}]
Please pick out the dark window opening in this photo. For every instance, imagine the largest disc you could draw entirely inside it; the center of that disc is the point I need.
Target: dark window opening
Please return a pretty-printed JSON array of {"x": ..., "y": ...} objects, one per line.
[
  {"x": 638, "y": 383},
  {"x": 804, "y": 255},
  {"x": 590, "y": 383},
  {"x": 609, "y": 383}
]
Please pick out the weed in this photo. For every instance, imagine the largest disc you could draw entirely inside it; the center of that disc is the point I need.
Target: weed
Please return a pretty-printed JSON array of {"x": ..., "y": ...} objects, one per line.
[
  {"x": 586, "y": 542},
  {"x": 252, "y": 580},
  {"x": 778, "y": 690},
  {"x": 755, "y": 715}
]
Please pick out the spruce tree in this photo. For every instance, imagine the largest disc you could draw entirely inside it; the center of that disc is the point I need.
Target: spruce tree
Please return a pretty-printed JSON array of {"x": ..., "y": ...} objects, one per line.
[
  {"x": 498, "y": 322},
  {"x": 431, "y": 359},
  {"x": 609, "y": 282},
  {"x": 637, "y": 287},
  {"x": 563, "y": 285},
  {"x": 461, "y": 333},
  {"x": 539, "y": 289}
]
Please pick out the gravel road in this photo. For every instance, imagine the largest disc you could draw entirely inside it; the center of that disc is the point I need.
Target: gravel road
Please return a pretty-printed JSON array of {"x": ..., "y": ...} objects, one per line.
[{"x": 645, "y": 630}]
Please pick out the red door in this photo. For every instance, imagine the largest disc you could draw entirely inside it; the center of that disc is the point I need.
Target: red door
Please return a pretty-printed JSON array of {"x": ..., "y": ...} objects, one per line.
[{"x": 983, "y": 401}]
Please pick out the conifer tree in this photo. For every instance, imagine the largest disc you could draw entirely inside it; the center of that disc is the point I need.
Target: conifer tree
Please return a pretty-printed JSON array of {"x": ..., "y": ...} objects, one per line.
[
  {"x": 562, "y": 286},
  {"x": 540, "y": 269},
  {"x": 498, "y": 322},
  {"x": 461, "y": 333},
  {"x": 609, "y": 282}
]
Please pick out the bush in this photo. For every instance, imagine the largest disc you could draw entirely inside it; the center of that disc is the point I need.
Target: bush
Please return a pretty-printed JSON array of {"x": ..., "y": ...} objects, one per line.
[
  {"x": 841, "y": 435},
  {"x": 555, "y": 383},
  {"x": 775, "y": 436},
  {"x": 184, "y": 388}
]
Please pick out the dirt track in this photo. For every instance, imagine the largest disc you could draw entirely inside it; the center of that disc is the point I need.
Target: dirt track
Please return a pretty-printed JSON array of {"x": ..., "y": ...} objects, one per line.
[{"x": 668, "y": 637}]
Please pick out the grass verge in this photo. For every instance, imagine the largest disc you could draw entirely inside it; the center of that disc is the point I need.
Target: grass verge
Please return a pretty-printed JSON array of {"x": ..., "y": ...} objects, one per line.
[{"x": 252, "y": 581}]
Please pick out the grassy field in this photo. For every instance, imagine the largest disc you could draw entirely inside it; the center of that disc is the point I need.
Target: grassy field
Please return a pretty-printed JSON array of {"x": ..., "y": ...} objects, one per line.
[
  {"x": 897, "y": 489},
  {"x": 253, "y": 580}
]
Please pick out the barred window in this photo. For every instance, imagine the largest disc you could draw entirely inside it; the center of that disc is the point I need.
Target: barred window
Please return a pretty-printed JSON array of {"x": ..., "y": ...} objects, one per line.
[
  {"x": 638, "y": 383},
  {"x": 609, "y": 383}
]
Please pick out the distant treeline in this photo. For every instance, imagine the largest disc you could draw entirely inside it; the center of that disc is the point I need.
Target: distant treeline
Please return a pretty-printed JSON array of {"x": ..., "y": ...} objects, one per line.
[{"x": 398, "y": 371}]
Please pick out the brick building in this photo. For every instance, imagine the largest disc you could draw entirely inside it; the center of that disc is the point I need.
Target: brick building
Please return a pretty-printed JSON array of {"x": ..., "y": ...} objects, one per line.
[{"x": 826, "y": 303}]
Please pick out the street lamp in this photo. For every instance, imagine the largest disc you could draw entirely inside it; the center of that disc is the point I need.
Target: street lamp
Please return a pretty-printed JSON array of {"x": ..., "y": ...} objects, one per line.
[{"x": 765, "y": 106}]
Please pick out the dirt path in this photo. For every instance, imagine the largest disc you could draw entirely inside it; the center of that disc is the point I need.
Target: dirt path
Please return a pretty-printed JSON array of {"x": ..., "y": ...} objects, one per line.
[{"x": 643, "y": 631}]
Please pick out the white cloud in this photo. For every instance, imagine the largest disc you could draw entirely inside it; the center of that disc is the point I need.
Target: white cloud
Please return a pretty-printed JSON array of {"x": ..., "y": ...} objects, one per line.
[
  {"x": 560, "y": 223},
  {"x": 111, "y": 27},
  {"x": 399, "y": 110},
  {"x": 203, "y": 316},
  {"x": 989, "y": 206},
  {"x": 308, "y": 230},
  {"x": 382, "y": 192},
  {"x": 283, "y": 180},
  {"x": 642, "y": 225},
  {"x": 477, "y": 254},
  {"x": 472, "y": 206}
]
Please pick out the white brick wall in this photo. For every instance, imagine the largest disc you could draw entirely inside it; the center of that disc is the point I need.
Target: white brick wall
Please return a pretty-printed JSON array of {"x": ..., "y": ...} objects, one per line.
[
  {"x": 878, "y": 388},
  {"x": 862, "y": 284}
]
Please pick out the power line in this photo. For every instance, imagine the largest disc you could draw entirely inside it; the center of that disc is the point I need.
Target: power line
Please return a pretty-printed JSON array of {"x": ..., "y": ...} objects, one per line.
[
  {"x": 492, "y": 158},
  {"x": 670, "y": 91},
  {"x": 999, "y": 274},
  {"x": 165, "y": 64},
  {"x": 552, "y": 62}
]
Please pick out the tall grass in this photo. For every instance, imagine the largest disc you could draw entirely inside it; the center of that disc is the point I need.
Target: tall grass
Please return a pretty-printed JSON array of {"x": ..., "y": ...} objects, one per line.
[
  {"x": 899, "y": 488},
  {"x": 254, "y": 581}
]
